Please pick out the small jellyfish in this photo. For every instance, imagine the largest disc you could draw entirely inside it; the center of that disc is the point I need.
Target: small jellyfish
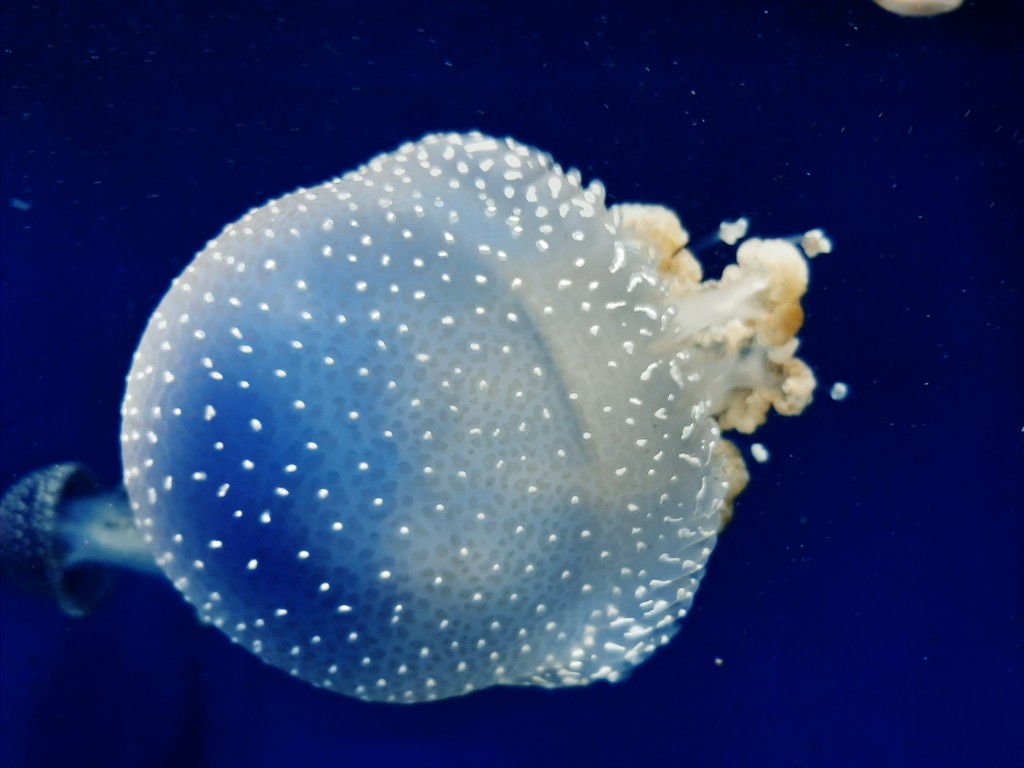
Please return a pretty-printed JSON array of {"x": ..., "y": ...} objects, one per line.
[
  {"x": 450, "y": 422},
  {"x": 64, "y": 538},
  {"x": 919, "y": 7}
]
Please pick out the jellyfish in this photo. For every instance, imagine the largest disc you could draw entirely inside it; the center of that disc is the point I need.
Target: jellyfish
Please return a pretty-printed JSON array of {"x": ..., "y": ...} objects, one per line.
[
  {"x": 919, "y": 7},
  {"x": 64, "y": 537},
  {"x": 446, "y": 422}
]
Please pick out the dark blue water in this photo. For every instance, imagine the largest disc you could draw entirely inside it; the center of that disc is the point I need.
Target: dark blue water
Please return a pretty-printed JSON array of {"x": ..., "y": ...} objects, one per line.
[{"x": 867, "y": 604}]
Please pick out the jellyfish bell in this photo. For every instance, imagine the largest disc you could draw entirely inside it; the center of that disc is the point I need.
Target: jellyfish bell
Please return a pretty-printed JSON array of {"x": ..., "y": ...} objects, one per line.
[
  {"x": 450, "y": 421},
  {"x": 919, "y": 7}
]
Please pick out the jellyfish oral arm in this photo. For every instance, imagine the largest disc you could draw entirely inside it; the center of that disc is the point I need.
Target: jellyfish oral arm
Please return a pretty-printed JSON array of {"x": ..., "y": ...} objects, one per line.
[
  {"x": 735, "y": 335},
  {"x": 100, "y": 530}
]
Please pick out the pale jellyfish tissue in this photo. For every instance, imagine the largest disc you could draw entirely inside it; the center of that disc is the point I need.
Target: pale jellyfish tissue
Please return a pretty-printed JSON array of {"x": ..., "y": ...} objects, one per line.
[{"x": 450, "y": 422}]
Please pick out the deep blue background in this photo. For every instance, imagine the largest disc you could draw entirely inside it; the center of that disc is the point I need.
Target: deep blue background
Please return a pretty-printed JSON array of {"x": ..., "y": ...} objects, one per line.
[{"x": 868, "y": 601}]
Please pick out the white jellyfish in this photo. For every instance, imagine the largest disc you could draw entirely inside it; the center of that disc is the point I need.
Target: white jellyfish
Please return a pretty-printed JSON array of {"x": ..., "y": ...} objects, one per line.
[
  {"x": 919, "y": 7},
  {"x": 450, "y": 422}
]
